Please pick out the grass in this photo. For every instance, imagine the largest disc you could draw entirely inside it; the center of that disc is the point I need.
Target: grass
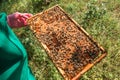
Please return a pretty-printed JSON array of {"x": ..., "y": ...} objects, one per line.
[{"x": 104, "y": 28}]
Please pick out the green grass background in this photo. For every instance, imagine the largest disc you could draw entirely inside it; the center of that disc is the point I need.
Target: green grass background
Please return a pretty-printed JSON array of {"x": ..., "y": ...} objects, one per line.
[{"x": 100, "y": 18}]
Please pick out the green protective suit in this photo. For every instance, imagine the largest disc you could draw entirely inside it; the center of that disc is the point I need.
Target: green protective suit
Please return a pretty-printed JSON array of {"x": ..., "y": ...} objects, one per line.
[{"x": 13, "y": 56}]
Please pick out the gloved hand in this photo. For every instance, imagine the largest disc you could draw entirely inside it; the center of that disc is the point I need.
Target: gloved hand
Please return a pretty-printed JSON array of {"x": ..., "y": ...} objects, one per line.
[{"x": 17, "y": 19}]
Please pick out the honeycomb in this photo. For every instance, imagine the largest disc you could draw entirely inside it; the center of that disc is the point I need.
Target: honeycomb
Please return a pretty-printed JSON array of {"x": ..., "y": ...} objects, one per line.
[{"x": 68, "y": 45}]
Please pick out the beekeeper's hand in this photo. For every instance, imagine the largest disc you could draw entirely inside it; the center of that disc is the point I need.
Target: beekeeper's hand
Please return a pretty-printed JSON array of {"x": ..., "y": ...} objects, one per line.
[{"x": 18, "y": 19}]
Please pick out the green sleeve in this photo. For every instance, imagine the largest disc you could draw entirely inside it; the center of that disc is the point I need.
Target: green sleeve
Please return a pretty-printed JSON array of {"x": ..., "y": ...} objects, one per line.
[
  {"x": 13, "y": 56},
  {"x": 3, "y": 21}
]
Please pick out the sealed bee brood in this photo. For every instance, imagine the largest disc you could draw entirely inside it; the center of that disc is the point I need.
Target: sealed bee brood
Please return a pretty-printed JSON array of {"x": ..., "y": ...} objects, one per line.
[{"x": 67, "y": 44}]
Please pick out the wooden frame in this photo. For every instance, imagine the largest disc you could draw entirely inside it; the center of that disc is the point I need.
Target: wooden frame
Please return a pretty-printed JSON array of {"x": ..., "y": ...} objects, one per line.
[{"x": 36, "y": 22}]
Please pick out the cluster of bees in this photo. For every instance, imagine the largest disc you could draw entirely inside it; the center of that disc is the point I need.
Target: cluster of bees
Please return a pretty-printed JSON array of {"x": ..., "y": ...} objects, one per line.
[{"x": 70, "y": 49}]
